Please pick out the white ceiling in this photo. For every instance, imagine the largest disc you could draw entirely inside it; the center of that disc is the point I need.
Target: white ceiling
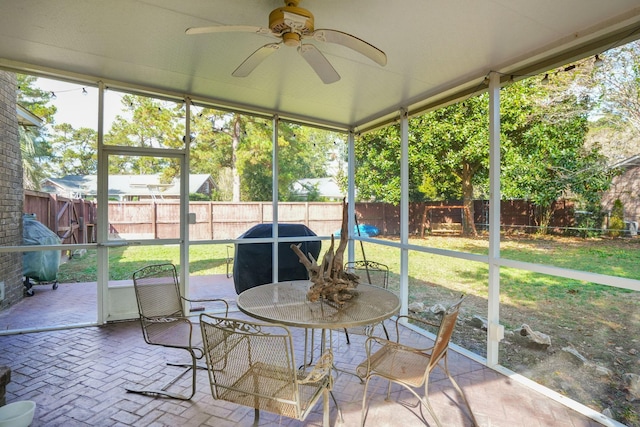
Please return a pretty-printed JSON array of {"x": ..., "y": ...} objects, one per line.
[{"x": 435, "y": 49}]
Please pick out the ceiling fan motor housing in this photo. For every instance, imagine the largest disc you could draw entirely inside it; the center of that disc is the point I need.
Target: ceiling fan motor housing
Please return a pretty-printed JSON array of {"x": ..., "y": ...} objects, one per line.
[{"x": 291, "y": 22}]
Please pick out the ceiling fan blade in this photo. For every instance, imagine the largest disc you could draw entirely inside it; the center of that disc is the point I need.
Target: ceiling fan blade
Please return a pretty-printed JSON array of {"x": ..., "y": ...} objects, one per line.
[
  {"x": 255, "y": 59},
  {"x": 227, "y": 29},
  {"x": 319, "y": 63},
  {"x": 352, "y": 42}
]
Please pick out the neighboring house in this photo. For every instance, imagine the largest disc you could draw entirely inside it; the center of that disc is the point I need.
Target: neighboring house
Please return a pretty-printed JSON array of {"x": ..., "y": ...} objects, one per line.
[
  {"x": 625, "y": 187},
  {"x": 325, "y": 188},
  {"x": 127, "y": 187},
  {"x": 26, "y": 117}
]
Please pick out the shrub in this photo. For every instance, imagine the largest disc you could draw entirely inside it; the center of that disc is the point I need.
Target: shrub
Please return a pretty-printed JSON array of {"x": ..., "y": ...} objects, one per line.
[{"x": 616, "y": 221}]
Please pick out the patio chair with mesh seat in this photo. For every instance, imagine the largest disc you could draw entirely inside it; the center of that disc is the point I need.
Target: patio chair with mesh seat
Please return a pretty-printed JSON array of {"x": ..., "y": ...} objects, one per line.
[
  {"x": 409, "y": 366},
  {"x": 252, "y": 364},
  {"x": 163, "y": 321}
]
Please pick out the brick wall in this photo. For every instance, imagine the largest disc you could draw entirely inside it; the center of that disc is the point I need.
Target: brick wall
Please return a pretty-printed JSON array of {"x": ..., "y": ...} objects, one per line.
[{"x": 10, "y": 191}]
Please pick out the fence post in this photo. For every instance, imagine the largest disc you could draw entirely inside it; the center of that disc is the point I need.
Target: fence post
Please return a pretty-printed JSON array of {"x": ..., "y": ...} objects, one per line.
[
  {"x": 306, "y": 214},
  {"x": 210, "y": 211},
  {"x": 154, "y": 219}
]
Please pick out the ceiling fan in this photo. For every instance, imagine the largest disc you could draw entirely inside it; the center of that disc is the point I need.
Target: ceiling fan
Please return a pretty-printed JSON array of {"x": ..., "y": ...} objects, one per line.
[{"x": 292, "y": 24}]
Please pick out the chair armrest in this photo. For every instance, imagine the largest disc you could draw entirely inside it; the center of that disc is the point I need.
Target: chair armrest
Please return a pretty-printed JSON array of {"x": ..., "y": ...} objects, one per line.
[
  {"x": 371, "y": 345},
  {"x": 381, "y": 342},
  {"x": 413, "y": 319},
  {"x": 225, "y": 303},
  {"x": 320, "y": 370}
]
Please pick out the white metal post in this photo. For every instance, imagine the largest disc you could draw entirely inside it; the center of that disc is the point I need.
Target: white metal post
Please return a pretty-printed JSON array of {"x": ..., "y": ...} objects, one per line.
[
  {"x": 102, "y": 227},
  {"x": 351, "y": 193},
  {"x": 495, "y": 331},
  {"x": 274, "y": 198},
  {"x": 184, "y": 203},
  {"x": 404, "y": 210}
]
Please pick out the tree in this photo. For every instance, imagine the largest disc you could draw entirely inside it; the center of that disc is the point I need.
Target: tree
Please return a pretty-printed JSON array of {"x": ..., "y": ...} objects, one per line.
[
  {"x": 216, "y": 147},
  {"x": 448, "y": 155},
  {"x": 151, "y": 124},
  {"x": 618, "y": 84},
  {"x": 34, "y": 147},
  {"x": 613, "y": 83},
  {"x": 35, "y": 99},
  {"x": 76, "y": 150},
  {"x": 32, "y": 174},
  {"x": 543, "y": 152},
  {"x": 378, "y": 165},
  {"x": 616, "y": 222},
  {"x": 545, "y": 157},
  {"x": 454, "y": 145}
]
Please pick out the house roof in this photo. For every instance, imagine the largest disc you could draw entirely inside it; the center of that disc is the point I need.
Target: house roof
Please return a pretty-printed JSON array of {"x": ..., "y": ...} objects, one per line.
[
  {"x": 629, "y": 162},
  {"x": 27, "y": 118},
  {"x": 326, "y": 187},
  {"x": 126, "y": 185},
  {"x": 436, "y": 51}
]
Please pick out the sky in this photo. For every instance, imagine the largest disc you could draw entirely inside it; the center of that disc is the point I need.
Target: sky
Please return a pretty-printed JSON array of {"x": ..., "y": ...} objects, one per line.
[{"x": 78, "y": 108}]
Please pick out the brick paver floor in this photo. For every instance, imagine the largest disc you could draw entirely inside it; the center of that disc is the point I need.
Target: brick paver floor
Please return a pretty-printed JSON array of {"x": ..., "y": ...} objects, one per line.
[{"x": 77, "y": 377}]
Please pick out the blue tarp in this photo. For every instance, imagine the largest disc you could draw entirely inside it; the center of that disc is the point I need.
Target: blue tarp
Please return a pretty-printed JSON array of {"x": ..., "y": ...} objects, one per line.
[{"x": 366, "y": 230}]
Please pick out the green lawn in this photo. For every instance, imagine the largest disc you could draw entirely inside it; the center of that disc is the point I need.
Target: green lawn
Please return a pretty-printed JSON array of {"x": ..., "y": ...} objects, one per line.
[{"x": 618, "y": 257}]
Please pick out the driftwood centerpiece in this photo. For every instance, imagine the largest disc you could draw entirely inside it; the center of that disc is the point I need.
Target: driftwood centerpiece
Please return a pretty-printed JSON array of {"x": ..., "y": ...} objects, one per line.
[{"x": 330, "y": 280}]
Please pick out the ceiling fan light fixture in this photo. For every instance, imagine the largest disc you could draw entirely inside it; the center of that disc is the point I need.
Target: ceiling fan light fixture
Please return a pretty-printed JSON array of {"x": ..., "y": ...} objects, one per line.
[{"x": 291, "y": 39}]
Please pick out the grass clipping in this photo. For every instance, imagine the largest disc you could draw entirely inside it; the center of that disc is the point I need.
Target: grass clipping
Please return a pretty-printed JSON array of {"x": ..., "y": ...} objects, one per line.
[{"x": 330, "y": 280}]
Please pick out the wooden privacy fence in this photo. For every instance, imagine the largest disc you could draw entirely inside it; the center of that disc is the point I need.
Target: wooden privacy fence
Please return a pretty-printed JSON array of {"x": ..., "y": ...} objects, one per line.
[
  {"x": 227, "y": 220},
  {"x": 217, "y": 220},
  {"x": 74, "y": 219}
]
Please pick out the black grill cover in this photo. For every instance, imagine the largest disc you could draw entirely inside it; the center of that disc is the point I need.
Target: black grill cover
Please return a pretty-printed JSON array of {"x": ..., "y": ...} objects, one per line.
[{"x": 252, "y": 264}]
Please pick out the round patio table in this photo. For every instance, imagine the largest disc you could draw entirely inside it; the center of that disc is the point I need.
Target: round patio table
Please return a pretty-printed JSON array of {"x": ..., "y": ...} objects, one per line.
[{"x": 287, "y": 303}]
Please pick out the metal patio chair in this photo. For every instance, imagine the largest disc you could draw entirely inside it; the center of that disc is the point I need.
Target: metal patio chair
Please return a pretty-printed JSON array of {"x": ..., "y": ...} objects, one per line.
[
  {"x": 163, "y": 321},
  {"x": 409, "y": 366},
  {"x": 375, "y": 274},
  {"x": 252, "y": 364}
]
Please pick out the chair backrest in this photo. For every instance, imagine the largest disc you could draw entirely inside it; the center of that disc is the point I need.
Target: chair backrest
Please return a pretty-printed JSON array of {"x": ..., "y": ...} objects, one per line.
[
  {"x": 443, "y": 337},
  {"x": 251, "y": 364},
  {"x": 370, "y": 272},
  {"x": 158, "y": 297}
]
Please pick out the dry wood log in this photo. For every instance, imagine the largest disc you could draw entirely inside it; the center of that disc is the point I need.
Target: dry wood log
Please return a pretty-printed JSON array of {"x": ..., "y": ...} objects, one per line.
[{"x": 330, "y": 280}]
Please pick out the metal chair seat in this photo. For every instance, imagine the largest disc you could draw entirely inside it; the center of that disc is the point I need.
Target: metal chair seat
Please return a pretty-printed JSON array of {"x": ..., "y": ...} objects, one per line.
[{"x": 163, "y": 321}]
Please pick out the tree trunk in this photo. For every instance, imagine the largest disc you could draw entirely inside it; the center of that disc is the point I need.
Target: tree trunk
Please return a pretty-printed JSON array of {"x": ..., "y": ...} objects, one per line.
[
  {"x": 546, "y": 213},
  {"x": 469, "y": 227},
  {"x": 235, "y": 143}
]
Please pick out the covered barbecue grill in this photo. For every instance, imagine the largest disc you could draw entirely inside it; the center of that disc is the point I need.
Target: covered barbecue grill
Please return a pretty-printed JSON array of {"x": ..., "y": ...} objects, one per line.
[
  {"x": 39, "y": 266},
  {"x": 252, "y": 264}
]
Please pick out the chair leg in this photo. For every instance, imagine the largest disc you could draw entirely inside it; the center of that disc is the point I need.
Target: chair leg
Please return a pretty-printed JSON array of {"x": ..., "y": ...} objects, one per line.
[
  {"x": 364, "y": 402},
  {"x": 386, "y": 333},
  {"x": 335, "y": 402},
  {"x": 162, "y": 392},
  {"x": 325, "y": 407},
  {"x": 346, "y": 334}
]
